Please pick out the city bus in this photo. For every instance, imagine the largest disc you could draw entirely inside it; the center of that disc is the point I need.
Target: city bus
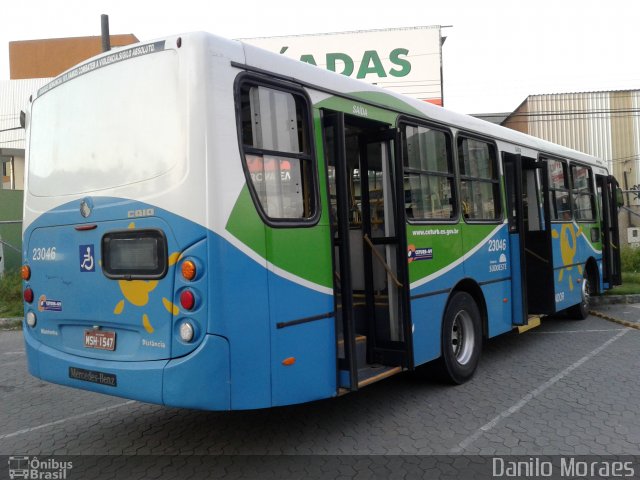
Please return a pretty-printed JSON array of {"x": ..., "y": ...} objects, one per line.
[{"x": 213, "y": 226}]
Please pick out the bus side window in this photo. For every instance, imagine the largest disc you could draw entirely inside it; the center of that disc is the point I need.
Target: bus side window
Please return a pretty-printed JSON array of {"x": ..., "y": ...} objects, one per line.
[
  {"x": 479, "y": 180},
  {"x": 277, "y": 151},
  {"x": 559, "y": 190},
  {"x": 583, "y": 193},
  {"x": 429, "y": 177}
]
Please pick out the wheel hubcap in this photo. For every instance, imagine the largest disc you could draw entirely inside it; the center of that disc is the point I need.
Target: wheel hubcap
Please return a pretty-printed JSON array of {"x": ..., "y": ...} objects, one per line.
[
  {"x": 585, "y": 292},
  {"x": 462, "y": 337}
]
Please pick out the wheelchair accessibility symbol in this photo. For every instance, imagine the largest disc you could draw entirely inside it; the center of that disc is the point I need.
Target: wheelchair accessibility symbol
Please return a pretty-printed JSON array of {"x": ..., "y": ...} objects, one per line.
[{"x": 87, "y": 262}]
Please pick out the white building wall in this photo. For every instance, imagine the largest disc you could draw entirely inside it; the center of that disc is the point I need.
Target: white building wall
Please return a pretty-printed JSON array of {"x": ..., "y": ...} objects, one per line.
[
  {"x": 14, "y": 97},
  {"x": 373, "y": 56}
]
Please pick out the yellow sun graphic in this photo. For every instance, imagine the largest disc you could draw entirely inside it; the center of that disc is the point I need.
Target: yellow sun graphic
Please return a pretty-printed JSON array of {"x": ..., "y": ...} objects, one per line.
[
  {"x": 136, "y": 292},
  {"x": 568, "y": 246}
]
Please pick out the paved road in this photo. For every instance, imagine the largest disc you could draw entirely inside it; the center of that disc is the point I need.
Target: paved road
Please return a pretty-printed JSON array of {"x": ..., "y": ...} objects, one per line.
[{"x": 565, "y": 388}]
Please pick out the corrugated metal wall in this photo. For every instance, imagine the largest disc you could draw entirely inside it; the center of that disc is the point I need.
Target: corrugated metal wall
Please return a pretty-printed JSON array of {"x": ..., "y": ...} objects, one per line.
[
  {"x": 577, "y": 120},
  {"x": 602, "y": 124}
]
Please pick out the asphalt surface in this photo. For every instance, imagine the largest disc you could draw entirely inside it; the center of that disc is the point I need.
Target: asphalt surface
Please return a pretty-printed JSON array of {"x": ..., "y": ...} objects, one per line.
[{"x": 564, "y": 390}]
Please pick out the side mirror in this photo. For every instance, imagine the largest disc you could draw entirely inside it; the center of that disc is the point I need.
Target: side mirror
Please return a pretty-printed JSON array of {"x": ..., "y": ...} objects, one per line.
[{"x": 23, "y": 118}]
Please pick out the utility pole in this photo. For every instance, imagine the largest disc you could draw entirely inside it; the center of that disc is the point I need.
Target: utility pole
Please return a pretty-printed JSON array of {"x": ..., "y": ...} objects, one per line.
[{"x": 106, "y": 39}]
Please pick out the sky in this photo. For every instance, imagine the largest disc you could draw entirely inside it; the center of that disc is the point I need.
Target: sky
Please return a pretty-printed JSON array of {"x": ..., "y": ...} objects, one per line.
[{"x": 497, "y": 52}]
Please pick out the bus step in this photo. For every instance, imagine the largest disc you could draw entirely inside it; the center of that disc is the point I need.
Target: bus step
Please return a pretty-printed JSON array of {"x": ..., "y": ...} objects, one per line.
[
  {"x": 361, "y": 349},
  {"x": 375, "y": 373},
  {"x": 532, "y": 322}
]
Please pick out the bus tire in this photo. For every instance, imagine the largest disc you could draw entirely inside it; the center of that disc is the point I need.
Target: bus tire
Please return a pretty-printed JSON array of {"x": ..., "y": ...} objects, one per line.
[
  {"x": 461, "y": 339},
  {"x": 581, "y": 310}
]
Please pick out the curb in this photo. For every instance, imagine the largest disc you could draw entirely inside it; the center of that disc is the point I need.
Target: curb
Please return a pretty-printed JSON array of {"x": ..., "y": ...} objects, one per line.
[
  {"x": 13, "y": 323},
  {"x": 625, "y": 323},
  {"x": 614, "y": 299}
]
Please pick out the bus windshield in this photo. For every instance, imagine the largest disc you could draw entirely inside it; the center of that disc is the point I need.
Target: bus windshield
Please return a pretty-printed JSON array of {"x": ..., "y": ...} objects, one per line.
[{"x": 111, "y": 127}]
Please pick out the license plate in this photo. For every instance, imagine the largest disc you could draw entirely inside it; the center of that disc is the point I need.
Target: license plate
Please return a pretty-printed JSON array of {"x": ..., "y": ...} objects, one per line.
[{"x": 100, "y": 339}]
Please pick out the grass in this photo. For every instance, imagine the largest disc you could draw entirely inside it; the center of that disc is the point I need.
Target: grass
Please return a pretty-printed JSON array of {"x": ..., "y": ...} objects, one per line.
[
  {"x": 630, "y": 259},
  {"x": 630, "y": 285},
  {"x": 11, "y": 295}
]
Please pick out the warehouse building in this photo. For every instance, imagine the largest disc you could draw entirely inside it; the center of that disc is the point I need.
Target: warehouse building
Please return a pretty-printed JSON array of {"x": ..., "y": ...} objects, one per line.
[{"x": 602, "y": 124}]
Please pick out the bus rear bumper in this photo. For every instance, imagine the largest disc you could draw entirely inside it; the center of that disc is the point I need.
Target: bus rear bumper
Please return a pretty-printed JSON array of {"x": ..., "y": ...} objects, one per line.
[{"x": 199, "y": 380}]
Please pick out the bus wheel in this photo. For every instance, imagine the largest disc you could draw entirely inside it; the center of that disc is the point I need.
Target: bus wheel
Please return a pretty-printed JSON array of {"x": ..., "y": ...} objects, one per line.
[
  {"x": 581, "y": 310},
  {"x": 461, "y": 339}
]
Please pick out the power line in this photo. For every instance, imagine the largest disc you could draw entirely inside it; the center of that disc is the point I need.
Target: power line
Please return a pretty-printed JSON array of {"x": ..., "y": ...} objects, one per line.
[
  {"x": 581, "y": 118},
  {"x": 10, "y": 129},
  {"x": 590, "y": 111},
  {"x": 599, "y": 95}
]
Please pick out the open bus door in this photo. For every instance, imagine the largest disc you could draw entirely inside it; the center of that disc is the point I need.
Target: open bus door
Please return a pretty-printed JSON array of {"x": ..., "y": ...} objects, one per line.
[
  {"x": 371, "y": 287},
  {"x": 512, "y": 166},
  {"x": 530, "y": 237},
  {"x": 611, "y": 269}
]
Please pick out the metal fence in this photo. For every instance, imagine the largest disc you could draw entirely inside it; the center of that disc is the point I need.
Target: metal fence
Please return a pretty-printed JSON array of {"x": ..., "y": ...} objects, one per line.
[
  {"x": 4, "y": 242},
  {"x": 10, "y": 251}
]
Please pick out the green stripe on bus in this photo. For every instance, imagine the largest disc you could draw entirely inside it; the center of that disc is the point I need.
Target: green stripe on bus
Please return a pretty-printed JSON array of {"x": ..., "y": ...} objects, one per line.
[{"x": 310, "y": 243}]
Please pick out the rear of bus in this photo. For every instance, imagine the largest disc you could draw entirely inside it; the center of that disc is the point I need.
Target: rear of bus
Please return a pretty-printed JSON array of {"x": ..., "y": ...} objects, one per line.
[{"x": 115, "y": 276}]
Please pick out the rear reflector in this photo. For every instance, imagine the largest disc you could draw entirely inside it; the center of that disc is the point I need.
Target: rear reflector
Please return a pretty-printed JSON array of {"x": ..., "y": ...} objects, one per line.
[
  {"x": 187, "y": 300},
  {"x": 28, "y": 295}
]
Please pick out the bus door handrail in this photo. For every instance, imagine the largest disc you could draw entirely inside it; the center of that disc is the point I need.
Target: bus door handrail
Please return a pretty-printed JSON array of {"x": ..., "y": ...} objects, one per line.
[
  {"x": 534, "y": 254},
  {"x": 382, "y": 261}
]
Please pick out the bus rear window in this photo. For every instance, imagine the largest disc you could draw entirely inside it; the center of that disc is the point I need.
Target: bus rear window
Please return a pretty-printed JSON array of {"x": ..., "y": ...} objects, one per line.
[
  {"x": 111, "y": 127},
  {"x": 134, "y": 254}
]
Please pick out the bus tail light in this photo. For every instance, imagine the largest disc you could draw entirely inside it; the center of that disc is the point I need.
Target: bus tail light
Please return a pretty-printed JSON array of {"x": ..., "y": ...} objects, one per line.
[
  {"x": 25, "y": 272},
  {"x": 28, "y": 295},
  {"x": 188, "y": 270},
  {"x": 187, "y": 300},
  {"x": 31, "y": 319}
]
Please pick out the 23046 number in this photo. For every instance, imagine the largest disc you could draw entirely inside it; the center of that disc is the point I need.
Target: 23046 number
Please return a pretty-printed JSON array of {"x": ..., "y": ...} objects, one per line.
[
  {"x": 44, "y": 254},
  {"x": 497, "y": 245}
]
